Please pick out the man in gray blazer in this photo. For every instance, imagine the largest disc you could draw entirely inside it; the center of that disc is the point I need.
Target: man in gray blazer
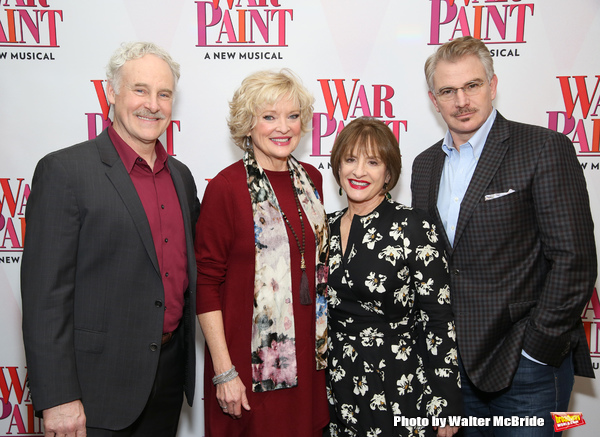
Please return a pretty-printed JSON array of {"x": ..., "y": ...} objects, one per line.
[
  {"x": 513, "y": 204},
  {"x": 108, "y": 272}
]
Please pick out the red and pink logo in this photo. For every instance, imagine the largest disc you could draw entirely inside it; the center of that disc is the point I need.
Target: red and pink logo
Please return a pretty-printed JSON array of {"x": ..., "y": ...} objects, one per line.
[
  {"x": 13, "y": 200},
  {"x": 29, "y": 23},
  {"x": 580, "y": 120},
  {"x": 347, "y": 99},
  {"x": 17, "y": 417},
  {"x": 492, "y": 21},
  {"x": 233, "y": 23}
]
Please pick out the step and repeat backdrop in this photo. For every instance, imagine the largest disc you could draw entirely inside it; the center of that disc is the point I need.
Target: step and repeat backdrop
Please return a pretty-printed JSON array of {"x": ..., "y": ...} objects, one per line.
[{"x": 358, "y": 57}]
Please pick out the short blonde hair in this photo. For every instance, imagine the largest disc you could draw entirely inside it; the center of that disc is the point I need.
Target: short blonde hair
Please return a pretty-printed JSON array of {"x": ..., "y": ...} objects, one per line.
[
  {"x": 261, "y": 89},
  {"x": 372, "y": 137}
]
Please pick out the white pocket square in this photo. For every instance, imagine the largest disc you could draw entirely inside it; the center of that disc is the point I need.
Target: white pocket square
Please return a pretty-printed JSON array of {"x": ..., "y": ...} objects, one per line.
[{"x": 496, "y": 195}]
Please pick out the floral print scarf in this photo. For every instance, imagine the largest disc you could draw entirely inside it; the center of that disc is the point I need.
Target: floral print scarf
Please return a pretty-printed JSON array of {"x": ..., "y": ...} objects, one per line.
[{"x": 273, "y": 336}]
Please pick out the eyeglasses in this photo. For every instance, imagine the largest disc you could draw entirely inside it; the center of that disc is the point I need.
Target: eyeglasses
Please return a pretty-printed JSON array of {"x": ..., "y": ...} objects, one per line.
[{"x": 470, "y": 89}]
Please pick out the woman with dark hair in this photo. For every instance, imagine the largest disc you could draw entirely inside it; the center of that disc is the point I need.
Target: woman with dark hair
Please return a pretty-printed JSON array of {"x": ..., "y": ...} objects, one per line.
[{"x": 392, "y": 351}]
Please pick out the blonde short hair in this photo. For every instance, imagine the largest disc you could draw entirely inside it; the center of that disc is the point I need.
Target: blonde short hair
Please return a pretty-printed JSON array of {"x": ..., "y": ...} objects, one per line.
[{"x": 261, "y": 89}]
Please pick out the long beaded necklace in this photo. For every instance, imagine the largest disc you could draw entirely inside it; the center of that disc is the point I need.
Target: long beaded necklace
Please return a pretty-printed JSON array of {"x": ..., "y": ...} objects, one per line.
[{"x": 304, "y": 293}]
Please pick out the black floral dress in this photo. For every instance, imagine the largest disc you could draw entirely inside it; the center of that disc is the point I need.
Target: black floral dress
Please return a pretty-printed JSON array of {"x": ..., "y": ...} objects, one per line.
[{"x": 392, "y": 346}]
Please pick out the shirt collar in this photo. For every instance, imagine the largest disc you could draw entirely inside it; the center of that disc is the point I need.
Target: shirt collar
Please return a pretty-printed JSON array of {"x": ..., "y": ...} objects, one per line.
[
  {"x": 129, "y": 156},
  {"x": 477, "y": 141}
]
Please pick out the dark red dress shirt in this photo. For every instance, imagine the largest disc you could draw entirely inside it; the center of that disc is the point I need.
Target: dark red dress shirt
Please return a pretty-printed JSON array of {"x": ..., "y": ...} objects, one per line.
[{"x": 161, "y": 204}]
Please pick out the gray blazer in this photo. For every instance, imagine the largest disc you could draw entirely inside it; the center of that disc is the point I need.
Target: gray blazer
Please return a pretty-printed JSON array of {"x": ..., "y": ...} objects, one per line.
[
  {"x": 523, "y": 264},
  {"x": 91, "y": 286}
]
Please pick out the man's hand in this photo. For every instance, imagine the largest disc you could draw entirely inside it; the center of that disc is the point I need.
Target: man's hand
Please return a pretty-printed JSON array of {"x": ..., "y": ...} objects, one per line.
[{"x": 65, "y": 420}]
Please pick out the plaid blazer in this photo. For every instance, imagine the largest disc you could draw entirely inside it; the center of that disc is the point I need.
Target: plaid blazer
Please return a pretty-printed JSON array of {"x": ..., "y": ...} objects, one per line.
[{"x": 523, "y": 264}]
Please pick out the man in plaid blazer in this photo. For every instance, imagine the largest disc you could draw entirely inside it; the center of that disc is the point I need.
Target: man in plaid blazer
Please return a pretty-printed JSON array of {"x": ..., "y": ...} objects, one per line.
[{"x": 513, "y": 204}]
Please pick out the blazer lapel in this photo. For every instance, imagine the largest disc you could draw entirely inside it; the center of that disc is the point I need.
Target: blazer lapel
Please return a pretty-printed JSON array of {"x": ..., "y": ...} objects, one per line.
[
  {"x": 491, "y": 158},
  {"x": 185, "y": 211},
  {"x": 434, "y": 189},
  {"x": 121, "y": 180}
]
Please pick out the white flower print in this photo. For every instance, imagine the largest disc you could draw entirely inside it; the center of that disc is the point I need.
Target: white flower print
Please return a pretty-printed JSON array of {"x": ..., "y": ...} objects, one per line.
[
  {"x": 405, "y": 384},
  {"x": 360, "y": 385},
  {"x": 332, "y": 297},
  {"x": 427, "y": 253},
  {"x": 444, "y": 295},
  {"x": 335, "y": 216},
  {"x": 366, "y": 221},
  {"x": 404, "y": 296},
  {"x": 371, "y": 237},
  {"x": 378, "y": 402},
  {"x": 373, "y": 307},
  {"x": 337, "y": 373},
  {"x": 391, "y": 254},
  {"x": 376, "y": 283},
  {"x": 434, "y": 406},
  {"x": 451, "y": 331},
  {"x": 374, "y": 432},
  {"x": 334, "y": 243},
  {"x": 424, "y": 286},
  {"x": 443, "y": 372},
  {"x": 347, "y": 281},
  {"x": 433, "y": 341},
  {"x": 404, "y": 273},
  {"x": 348, "y": 412},
  {"x": 352, "y": 253},
  {"x": 432, "y": 234},
  {"x": 397, "y": 230},
  {"x": 421, "y": 375},
  {"x": 371, "y": 336},
  {"x": 452, "y": 356},
  {"x": 349, "y": 351},
  {"x": 402, "y": 350},
  {"x": 423, "y": 317},
  {"x": 335, "y": 261}
]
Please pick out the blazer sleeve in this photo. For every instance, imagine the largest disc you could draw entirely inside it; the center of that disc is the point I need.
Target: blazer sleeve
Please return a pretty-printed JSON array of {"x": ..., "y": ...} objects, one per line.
[
  {"x": 567, "y": 232},
  {"x": 48, "y": 284}
]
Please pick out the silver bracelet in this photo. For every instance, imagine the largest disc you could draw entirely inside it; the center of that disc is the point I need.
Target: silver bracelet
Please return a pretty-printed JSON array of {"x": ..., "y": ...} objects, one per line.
[{"x": 224, "y": 377}]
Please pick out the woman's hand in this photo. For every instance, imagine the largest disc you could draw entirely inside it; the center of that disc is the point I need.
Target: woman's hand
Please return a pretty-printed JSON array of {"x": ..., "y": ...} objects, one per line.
[
  {"x": 232, "y": 398},
  {"x": 446, "y": 431}
]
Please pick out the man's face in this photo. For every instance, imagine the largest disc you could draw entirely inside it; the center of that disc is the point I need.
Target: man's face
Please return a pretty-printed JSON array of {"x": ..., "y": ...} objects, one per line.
[
  {"x": 463, "y": 114},
  {"x": 144, "y": 103}
]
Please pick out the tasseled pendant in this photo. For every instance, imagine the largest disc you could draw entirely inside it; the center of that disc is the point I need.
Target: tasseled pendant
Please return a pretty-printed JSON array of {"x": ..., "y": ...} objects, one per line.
[{"x": 304, "y": 292}]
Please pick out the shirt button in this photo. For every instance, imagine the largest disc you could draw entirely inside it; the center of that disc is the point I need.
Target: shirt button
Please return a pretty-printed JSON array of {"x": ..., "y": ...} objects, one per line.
[
  {"x": 167, "y": 275},
  {"x": 162, "y": 206},
  {"x": 456, "y": 272},
  {"x": 158, "y": 304},
  {"x": 166, "y": 240}
]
